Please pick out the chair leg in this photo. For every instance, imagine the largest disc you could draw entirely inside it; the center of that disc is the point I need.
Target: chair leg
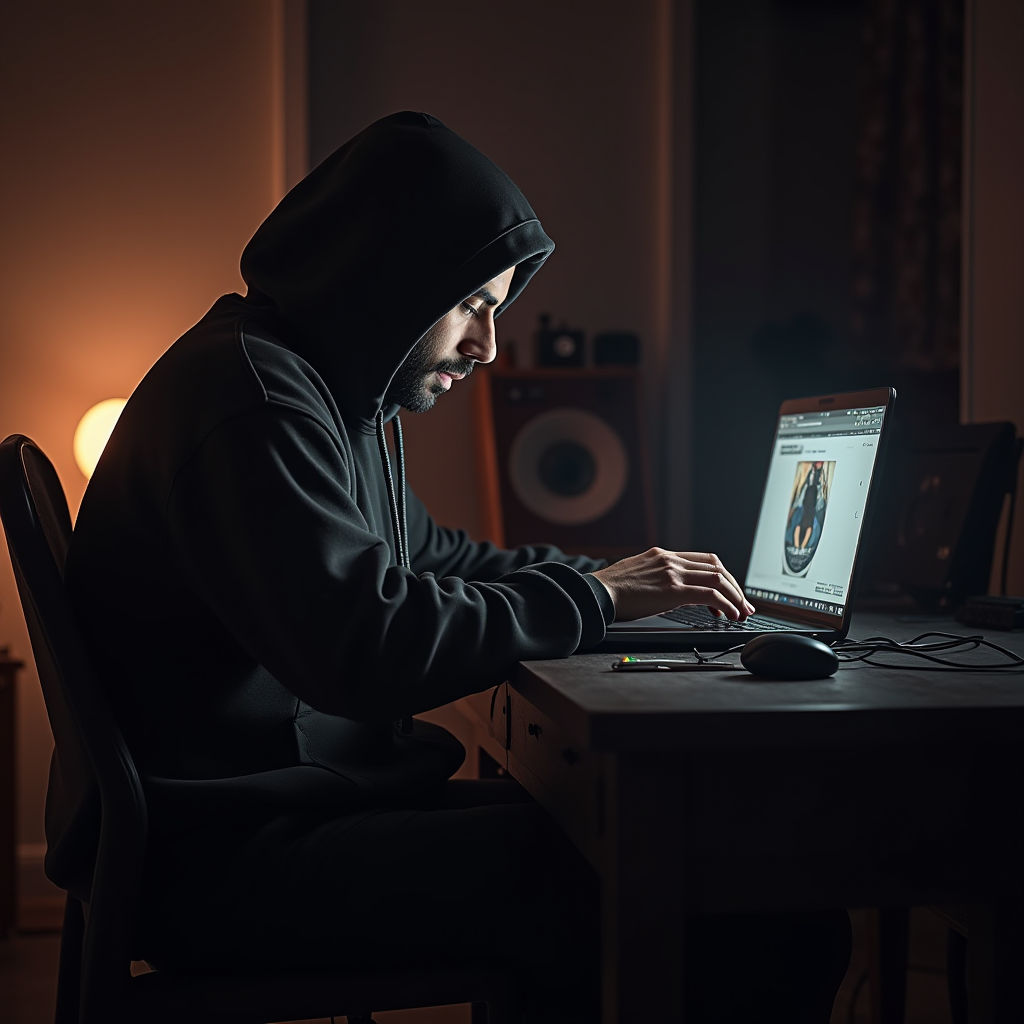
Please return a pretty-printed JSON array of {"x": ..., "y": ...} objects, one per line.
[
  {"x": 69, "y": 971},
  {"x": 956, "y": 976},
  {"x": 887, "y": 932}
]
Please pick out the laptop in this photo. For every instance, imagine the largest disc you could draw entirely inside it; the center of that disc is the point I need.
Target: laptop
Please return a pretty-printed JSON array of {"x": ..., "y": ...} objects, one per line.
[{"x": 803, "y": 568}]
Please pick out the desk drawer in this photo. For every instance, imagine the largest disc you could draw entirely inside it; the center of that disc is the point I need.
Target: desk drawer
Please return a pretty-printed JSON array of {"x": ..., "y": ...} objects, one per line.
[{"x": 565, "y": 780}]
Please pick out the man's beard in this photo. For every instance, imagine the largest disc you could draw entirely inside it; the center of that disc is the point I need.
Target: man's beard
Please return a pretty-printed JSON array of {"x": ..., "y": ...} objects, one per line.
[{"x": 409, "y": 387}]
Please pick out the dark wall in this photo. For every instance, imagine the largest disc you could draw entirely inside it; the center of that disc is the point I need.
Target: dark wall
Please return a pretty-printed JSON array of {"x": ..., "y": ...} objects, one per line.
[
  {"x": 138, "y": 159},
  {"x": 565, "y": 98},
  {"x": 777, "y": 117}
]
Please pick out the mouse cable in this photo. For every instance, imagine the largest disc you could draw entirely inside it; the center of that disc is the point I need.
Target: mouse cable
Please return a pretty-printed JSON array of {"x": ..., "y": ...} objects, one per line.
[
  {"x": 850, "y": 650},
  {"x": 702, "y": 657},
  {"x": 864, "y": 650}
]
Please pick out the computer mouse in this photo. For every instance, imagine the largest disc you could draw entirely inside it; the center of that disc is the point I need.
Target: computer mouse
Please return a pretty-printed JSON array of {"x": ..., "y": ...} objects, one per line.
[{"x": 788, "y": 656}]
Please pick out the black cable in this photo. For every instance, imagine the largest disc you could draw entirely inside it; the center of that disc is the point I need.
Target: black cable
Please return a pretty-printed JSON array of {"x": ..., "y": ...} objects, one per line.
[
  {"x": 701, "y": 657},
  {"x": 870, "y": 647},
  {"x": 850, "y": 650}
]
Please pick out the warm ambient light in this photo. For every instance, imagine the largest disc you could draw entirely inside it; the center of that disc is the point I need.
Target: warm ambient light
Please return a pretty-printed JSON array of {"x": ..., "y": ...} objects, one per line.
[{"x": 93, "y": 430}]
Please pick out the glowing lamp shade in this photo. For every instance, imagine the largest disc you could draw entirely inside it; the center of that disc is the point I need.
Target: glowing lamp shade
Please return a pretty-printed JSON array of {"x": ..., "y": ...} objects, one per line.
[{"x": 93, "y": 430}]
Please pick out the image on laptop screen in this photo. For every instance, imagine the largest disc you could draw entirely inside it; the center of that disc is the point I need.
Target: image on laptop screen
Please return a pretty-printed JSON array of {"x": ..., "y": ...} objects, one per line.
[{"x": 810, "y": 522}]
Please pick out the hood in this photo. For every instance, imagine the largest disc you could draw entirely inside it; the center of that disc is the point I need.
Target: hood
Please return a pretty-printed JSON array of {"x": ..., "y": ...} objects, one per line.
[{"x": 365, "y": 254}]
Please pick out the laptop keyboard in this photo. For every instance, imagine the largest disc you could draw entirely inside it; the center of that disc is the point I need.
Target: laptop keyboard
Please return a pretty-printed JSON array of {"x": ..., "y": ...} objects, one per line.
[{"x": 691, "y": 615}]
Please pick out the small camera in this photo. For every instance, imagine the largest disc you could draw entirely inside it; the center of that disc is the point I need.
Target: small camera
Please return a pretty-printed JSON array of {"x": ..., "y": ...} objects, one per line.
[{"x": 558, "y": 346}]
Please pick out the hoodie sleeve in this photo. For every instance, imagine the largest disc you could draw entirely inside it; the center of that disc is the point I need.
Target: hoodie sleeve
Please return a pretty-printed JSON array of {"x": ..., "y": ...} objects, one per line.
[
  {"x": 447, "y": 552},
  {"x": 267, "y": 534}
]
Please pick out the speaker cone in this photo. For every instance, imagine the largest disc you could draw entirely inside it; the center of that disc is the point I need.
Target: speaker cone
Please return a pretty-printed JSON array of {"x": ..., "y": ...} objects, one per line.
[{"x": 568, "y": 466}]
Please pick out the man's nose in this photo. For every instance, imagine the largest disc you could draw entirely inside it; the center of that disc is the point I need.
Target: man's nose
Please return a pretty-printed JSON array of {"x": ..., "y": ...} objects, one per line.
[{"x": 480, "y": 342}]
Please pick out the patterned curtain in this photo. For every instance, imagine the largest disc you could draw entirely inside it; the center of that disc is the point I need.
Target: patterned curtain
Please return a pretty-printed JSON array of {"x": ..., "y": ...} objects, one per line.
[{"x": 907, "y": 213}]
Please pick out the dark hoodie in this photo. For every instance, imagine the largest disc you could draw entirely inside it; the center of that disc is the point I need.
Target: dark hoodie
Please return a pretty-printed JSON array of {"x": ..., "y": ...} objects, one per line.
[{"x": 235, "y": 563}]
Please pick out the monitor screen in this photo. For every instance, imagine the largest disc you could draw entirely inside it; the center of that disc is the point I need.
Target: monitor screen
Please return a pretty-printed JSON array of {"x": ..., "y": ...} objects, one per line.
[{"x": 812, "y": 513}]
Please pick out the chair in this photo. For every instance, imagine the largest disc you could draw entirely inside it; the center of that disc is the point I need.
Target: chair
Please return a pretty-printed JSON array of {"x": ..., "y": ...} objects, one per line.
[{"x": 95, "y": 850}]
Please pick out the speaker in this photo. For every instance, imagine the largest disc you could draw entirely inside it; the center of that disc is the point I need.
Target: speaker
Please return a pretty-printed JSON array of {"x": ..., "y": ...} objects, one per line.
[
  {"x": 564, "y": 461},
  {"x": 950, "y": 486}
]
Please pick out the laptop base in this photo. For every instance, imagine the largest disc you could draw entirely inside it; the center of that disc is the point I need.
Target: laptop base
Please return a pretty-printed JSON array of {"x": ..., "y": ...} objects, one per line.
[{"x": 628, "y": 638}]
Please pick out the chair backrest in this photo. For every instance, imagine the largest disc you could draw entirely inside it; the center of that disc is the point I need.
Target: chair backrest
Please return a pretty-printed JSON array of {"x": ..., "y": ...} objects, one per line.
[
  {"x": 96, "y": 818},
  {"x": 96, "y": 812}
]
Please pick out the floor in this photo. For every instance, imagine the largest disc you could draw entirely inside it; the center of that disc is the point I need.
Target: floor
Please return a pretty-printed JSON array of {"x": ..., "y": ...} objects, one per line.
[{"x": 28, "y": 966}]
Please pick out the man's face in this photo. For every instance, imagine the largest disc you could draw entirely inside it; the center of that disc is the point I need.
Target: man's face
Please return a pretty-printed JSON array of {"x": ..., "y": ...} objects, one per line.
[{"x": 463, "y": 337}]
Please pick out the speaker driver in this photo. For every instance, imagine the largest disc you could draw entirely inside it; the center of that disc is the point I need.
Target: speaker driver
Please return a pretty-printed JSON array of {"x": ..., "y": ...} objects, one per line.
[{"x": 568, "y": 466}]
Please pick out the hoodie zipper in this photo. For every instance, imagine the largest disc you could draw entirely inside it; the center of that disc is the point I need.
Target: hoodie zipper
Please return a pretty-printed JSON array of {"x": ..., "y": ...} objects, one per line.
[{"x": 396, "y": 502}]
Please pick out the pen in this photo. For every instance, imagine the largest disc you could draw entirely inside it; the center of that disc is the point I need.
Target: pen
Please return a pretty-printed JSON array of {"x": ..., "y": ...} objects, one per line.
[{"x": 630, "y": 664}]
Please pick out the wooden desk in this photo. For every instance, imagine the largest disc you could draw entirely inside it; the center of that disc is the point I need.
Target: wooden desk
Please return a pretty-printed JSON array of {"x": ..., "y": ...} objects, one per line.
[{"x": 711, "y": 793}]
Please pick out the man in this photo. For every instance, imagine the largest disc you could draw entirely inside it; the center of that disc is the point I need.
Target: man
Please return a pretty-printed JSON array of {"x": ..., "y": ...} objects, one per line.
[{"x": 268, "y": 600}]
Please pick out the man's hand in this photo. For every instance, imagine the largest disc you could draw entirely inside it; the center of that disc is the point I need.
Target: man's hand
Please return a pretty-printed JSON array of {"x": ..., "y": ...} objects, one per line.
[{"x": 659, "y": 580}]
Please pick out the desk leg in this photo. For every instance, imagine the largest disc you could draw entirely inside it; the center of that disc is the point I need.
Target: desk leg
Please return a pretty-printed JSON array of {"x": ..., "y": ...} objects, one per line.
[
  {"x": 642, "y": 893},
  {"x": 995, "y": 951}
]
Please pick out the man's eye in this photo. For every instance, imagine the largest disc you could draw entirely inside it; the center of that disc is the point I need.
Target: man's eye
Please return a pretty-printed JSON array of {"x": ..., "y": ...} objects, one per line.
[{"x": 470, "y": 310}]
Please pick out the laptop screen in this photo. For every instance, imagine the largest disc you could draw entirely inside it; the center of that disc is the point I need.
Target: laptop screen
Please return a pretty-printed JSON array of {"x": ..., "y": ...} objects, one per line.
[{"x": 812, "y": 513}]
